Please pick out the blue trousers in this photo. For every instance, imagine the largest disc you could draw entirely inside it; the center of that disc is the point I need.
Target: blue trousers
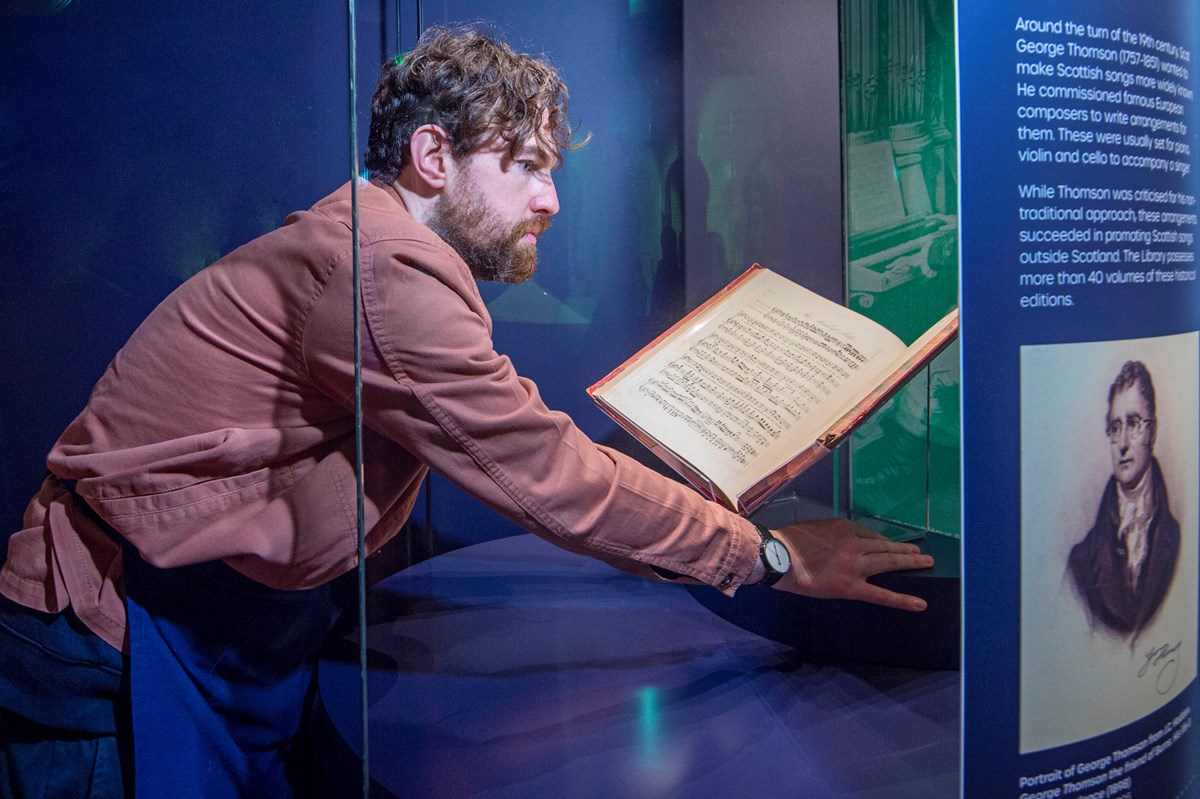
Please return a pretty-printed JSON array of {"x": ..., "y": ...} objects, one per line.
[
  {"x": 64, "y": 709},
  {"x": 209, "y": 703}
]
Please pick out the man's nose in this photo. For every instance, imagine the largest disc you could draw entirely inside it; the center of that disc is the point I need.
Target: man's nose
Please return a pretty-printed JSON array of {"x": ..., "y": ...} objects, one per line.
[{"x": 546, "y": 199}]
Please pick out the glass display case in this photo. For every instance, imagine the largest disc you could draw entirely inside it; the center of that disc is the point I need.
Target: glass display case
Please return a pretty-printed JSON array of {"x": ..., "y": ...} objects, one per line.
[
  {"x": 901, "y": 228},
  {"x": 723, "y": 135}
]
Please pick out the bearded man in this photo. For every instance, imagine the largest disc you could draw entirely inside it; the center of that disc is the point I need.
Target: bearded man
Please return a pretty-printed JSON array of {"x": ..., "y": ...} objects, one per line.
[{"x": 166, "y": 600}]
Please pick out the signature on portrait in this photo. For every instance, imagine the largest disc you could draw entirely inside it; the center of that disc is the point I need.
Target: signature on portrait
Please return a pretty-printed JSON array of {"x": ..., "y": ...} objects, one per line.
[{"x": 1162, "y": 665}]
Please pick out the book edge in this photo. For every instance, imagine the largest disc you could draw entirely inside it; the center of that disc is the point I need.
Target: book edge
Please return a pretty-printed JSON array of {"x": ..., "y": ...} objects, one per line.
[{"x": 918, "y": 357}]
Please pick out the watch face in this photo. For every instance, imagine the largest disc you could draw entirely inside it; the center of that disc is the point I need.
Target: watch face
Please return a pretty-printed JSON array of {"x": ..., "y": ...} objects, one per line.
[{"x": 776, "y": 556}]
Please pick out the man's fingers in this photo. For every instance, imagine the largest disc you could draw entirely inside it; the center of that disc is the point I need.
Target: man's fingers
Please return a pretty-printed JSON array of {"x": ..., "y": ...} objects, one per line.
[
  {"x": 891, "y": 599},
  {"x": 873, "y": 545},
  {"x": 878, "y": 562},
  {"x": 881, "y": 562},
  {"x": 872, "y": 541}
]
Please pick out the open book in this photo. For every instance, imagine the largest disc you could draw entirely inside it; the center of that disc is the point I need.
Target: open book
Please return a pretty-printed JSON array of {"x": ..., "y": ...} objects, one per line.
[{"x": 758, "y": 383}]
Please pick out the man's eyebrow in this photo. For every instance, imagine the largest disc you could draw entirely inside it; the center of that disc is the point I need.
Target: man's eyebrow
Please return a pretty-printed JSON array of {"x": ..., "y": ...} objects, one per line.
[{"x": 539, "y": 154}]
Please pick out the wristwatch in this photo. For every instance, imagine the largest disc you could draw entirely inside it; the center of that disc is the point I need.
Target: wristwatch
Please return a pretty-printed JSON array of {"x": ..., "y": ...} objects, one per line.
[{"x": 774, "y": 555}]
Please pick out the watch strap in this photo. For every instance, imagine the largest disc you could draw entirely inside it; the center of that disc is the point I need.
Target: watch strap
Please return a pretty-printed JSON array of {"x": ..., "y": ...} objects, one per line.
[{"x": 771, "y": 576}]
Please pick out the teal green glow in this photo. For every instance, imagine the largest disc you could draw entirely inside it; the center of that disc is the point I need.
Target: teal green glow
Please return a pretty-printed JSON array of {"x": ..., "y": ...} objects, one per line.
[
  {"x": 529, "y": 302},
  {"x": 905, "y": 462},
  {"x": 649, "y": 728},
  {"x": 837, "y": 482}
]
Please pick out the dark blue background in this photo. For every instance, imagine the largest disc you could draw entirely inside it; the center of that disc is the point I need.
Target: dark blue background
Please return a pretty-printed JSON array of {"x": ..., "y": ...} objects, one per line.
[{"x": 139, "y": 142}]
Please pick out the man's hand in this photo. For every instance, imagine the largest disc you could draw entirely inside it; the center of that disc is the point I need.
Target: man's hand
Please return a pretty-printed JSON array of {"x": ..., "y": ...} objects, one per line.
[{"x": 832, "y": 559}]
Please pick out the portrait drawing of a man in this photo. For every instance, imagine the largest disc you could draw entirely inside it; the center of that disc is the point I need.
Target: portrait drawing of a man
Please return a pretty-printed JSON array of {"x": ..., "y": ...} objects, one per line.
[{"x": 1123, "y": 568}]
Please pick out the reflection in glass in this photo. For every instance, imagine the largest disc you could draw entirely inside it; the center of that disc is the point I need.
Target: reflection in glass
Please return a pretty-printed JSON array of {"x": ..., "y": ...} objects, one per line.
[{"x": 902, "y": 246}]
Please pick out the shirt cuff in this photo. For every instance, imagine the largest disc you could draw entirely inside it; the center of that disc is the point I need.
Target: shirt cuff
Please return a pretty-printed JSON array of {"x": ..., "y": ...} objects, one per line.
[{"x": 757, "y": 573}]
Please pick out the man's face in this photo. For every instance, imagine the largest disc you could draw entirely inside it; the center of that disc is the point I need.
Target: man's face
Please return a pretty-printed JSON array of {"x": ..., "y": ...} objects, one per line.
[
  {"x": 1130, "y": 450},
  {"x": 495, "y": 207}
]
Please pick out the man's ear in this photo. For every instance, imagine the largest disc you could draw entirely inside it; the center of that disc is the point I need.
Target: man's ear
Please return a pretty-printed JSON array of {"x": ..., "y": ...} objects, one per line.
[{"x": 431, "y": 156}]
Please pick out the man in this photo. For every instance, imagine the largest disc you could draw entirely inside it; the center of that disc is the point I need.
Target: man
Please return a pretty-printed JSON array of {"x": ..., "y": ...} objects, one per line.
[
  {"x": 1122, "y": 570},
  {"x": 175, "y": 564}
]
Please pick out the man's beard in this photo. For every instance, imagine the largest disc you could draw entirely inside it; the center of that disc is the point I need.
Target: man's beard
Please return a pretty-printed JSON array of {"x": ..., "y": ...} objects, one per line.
[{"x": 491, "y": 250}]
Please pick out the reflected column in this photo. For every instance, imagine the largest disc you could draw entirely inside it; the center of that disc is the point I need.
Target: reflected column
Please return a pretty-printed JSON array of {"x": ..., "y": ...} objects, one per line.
[{"x": 906, "y": 101}]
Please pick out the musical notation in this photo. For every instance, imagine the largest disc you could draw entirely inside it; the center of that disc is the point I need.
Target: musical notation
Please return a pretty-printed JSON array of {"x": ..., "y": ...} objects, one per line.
[
  {"x": 754, "y": 385},
  {"x": 743, "y": 386}
]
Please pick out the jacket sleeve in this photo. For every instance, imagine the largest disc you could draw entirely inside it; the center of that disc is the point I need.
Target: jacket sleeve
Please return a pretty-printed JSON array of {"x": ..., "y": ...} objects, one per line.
[{"x": 433, "y": 383}]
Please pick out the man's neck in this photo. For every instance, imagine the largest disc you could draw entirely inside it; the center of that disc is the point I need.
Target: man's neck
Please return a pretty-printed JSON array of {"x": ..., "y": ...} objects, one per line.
[{"x": 416, "y": 199}]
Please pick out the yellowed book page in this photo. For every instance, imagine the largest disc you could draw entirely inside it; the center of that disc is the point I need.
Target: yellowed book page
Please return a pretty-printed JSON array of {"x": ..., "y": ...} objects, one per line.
[{"x": 754, "y": 379}]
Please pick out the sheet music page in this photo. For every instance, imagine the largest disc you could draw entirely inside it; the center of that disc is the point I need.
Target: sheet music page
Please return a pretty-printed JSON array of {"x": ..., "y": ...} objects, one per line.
[{"x": 754, "y": 379}]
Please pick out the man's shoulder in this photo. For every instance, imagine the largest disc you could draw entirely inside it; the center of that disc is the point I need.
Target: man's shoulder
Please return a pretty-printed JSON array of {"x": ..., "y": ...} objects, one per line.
[
  {"x": 386, "y": 230},
  {"x": 1087, "y": 554},
  {"x": 381, "y": 214},
  {"x": 1081, "y": 558},
  {"x": 390, "y": 238}
]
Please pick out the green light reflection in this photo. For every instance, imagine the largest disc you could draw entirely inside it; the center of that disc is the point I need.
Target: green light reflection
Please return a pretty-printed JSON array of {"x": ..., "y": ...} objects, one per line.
[{"x": 649, "y": 728}]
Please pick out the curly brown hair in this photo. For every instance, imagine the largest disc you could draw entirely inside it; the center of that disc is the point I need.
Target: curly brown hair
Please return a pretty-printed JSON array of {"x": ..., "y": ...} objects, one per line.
[{"x": 473, "y": 86}]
